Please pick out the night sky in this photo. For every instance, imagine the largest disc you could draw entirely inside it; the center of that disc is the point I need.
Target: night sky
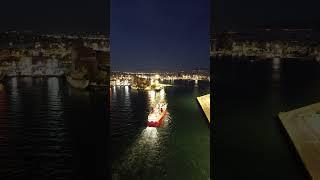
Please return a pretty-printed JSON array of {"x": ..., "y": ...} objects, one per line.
[
  {"x": 55, "y": 15},
  {"x": 153, "y": 35},
  {"x": 250, "y": 14}
]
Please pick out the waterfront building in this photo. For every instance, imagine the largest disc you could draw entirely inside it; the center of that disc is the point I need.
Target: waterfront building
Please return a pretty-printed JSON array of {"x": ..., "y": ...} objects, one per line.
[{"x": 96, "y": 63}]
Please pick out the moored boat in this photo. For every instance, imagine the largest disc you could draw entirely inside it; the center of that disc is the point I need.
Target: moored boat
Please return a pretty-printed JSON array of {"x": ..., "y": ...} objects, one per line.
[{"x": 78, "y": 80}]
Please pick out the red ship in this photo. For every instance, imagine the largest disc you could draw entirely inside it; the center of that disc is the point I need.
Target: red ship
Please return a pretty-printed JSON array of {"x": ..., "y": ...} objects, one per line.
[{"x": 157, "y": 114}]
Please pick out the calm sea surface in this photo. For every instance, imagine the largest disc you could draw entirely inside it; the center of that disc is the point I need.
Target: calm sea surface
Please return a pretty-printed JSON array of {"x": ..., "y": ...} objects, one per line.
[
  {"x": 178, "y": 149},
  {"x": 248, "y": 140},
  {"x": 51, "y": 131}
]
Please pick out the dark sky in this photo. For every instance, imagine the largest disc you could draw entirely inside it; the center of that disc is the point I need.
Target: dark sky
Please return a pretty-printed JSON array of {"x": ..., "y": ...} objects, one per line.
[
  {"x": 54, "y": 15},
  {"x": 159, "y": 34},
  {"x": 246, "y": 14}
]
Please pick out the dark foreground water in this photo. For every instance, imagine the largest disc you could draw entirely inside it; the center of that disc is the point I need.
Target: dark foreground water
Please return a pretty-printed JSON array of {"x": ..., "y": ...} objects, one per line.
[
  {"x": 51, "y": 131},
  {"x": 179, "y": 149},
  {"x": 248, "y": 140}
]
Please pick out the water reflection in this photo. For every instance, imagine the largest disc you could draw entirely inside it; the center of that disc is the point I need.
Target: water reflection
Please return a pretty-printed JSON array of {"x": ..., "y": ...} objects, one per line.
[
  {"x": 3, "y": 107},
  {"x": 162, "y": 95},
  {"x": 152, "y": 97},
  {"x": 54, "y": 98},
  {"x": 53, "y": 84},
  {"x": 26, "y": 82},
  {"x": 37, "y": 122},
  {"x": 156, "y": 97},
  {"x": 149, "y": 135},
  {"x": 77, "y": 93},
  {"x": 126, "y": 91},
  {"x": 14, "y": 83},
  {"x": 276, "y": 65},
  {"x": 114, "y": 92},
  {"x": 127, "y": 98},
  {"x": 14, "y": 95},
  {"x": 148, "y": 148},
  {"x": 143, "y": 152}
]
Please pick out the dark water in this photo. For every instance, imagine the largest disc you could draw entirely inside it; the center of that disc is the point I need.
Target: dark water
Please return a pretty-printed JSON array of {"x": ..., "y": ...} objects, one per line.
[
  {"x": 178, "y": 149},
  {"x": 248, "y": 140},
  {"x": 51, "y": 131}
]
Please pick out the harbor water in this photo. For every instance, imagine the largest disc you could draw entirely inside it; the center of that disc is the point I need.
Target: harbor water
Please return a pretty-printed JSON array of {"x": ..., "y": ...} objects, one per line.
[
  {"x": 178, "y": 149},
  {"x": 49, "y": 130},
  {"x": 248, "y": 138}
]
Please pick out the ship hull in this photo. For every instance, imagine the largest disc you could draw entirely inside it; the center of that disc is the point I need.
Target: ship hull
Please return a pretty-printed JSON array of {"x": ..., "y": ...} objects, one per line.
[{"x": 157, "y": 122}]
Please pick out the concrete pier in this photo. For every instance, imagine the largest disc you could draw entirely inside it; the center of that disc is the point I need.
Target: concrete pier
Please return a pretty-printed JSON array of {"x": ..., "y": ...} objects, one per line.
[
  {"x": 303, "y": 127},
  {"x": 204, "y": 102}
]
